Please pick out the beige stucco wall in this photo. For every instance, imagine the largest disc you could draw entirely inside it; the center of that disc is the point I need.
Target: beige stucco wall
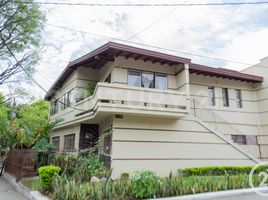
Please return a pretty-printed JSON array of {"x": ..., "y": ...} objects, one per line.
[
  {"x": 162, "y": 145},
  {"x": 246, "y": 119},
  {"x": 67, "y": 131},
  {"x": 261, "y": 69}
]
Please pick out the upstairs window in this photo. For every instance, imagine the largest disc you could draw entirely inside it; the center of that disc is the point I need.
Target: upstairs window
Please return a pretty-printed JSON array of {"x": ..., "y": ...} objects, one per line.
[
  {"x": 161, "y": 81},
  {"x": 225, "y": 96},
  {"x": 134, "y": 78},
  {"x": 67, "y": 100},
  {"x": 147, "y": 80},
  {"x": 238, "y": 98},
  {"x": 70, "y": 98},
  {"x": 54, "y": 107},
  {"x": 211, "y": 96}
]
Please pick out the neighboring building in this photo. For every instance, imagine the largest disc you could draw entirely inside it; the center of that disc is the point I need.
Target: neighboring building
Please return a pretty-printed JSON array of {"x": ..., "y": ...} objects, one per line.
[{"x": 163, "y": 112}]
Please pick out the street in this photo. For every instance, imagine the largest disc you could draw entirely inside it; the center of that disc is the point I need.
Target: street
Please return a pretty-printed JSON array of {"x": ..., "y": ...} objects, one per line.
[{"x": 7, "y": 192}]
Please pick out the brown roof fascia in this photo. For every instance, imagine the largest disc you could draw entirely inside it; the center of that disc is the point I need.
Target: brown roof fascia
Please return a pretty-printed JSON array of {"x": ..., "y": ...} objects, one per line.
[{"x": 225, "y": 73}]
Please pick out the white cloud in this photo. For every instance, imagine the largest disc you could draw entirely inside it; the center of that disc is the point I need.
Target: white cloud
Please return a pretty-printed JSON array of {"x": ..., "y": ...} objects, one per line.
[{"x": 212, "y": 31}]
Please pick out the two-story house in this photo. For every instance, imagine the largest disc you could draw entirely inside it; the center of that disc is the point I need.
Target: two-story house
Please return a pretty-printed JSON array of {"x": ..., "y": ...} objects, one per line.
[{"x": 163, "y": 112}]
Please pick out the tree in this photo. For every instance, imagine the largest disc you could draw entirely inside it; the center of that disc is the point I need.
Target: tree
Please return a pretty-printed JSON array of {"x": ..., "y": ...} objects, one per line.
[
  {"x": 21, "y": 23},
  {"x": 27, "y": 126}
]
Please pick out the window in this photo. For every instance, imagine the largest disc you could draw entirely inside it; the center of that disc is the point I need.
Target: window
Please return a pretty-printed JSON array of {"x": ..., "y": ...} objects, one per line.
[
  {"x": 54, "y": 107},
  {"x": 62, "y": 102},
  {"x": 225, "y": 97},
  {"x": 70, "y": 98},
  {"x": 239, "y": 139},
  {"x": 161, "y": 81},
  {"x": 69, "y": 142},
  {"x": 134, "y": 78},
  {"x": 211, "y": 96},
  {"x": 238, "y": 98},
  {"x": 56, "y": 142},
  {"x": 147, "y": 80}
]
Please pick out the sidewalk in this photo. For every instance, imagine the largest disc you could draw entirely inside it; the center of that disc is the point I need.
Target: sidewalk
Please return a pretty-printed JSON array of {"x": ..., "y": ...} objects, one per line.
[{"x": 7, "y": 192}]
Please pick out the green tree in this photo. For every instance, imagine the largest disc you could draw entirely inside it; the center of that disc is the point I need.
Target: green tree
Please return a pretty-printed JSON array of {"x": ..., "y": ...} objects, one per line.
[{"x": 21, "y": 23}]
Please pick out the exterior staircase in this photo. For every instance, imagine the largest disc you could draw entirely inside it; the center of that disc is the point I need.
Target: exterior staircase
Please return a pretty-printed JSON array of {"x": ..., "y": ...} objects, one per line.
[{"x": 222, "y": 128}]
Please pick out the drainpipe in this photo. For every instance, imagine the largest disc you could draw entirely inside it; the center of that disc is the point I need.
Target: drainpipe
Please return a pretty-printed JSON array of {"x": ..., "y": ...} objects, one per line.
[{"x": 187, "y": 85}]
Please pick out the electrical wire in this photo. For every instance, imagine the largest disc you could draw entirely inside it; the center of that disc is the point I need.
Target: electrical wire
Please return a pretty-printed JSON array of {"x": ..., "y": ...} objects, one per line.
[{"x": 147, "y": 4}]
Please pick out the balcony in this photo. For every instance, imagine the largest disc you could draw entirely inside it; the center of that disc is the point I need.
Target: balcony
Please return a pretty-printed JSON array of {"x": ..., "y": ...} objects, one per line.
[
  {"x": 123, "y": 99},
  {"x": 126, "y": 100}
]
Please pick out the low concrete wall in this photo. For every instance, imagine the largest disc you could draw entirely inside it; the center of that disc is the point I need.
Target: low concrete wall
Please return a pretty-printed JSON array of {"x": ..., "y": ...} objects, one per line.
[{"x": 20, "y": 188}]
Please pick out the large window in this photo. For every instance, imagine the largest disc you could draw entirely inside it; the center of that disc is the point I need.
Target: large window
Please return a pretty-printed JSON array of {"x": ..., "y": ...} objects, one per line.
[
  {"x": 56, "y": 142},
  {"x": 211, "y": 96},
  {"x": 225, "y": 96},
  {"x": 161, "y": 81},
  {"x": 70, "y": 98},
  {"x": 238, "y": 98},
  {"x": 54, "y": 107},
  {"x": 69, "y": 142},
  {"x": 134, "y": 78},
  {"x": 147, "y": 80},
  {"x": 67, "y": 99}
]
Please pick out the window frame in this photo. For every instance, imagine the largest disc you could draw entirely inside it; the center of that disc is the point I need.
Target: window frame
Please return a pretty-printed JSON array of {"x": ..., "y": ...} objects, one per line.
[
  {"x": 154, "y": 78},
  {"x": 66, "y": 146},
  {"x": 238, "y": 98},
  {"x": 57, "y": 148},
  {"x": 225, "y": 97},
  {"x": 211, "y": 102}
]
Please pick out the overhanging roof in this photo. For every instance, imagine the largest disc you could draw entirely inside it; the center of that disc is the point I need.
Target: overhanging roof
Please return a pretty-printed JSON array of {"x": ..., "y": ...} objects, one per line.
[
  {"x": 100, "y": 56},
  {"x": 224, "y": 73}
]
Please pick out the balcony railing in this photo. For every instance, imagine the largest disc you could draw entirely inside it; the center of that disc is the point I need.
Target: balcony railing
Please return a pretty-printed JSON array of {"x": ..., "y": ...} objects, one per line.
[{"x": 113, "y": 98}]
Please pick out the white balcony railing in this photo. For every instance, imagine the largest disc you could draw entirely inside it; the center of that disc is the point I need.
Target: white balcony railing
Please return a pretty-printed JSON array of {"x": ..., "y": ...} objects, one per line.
[{"x": 113, "y": 98}]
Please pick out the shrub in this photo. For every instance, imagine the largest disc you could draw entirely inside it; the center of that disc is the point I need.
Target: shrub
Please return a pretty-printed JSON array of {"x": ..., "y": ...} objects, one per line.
[
  {"x": 124, "y": 176},
  {"x": 219, "y": 171},
  {"x": 90, "y": 88},
  {"x": 46, "y": 175},
  {"x": 144, "y": 184}
]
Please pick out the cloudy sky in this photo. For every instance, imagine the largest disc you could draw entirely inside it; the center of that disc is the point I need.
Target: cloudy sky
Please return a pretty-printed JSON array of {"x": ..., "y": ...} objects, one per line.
[{"x": 238, "y": 33}]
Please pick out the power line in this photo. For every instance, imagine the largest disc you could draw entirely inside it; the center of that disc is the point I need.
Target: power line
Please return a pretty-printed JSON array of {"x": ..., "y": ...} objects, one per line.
[
  {"x": 155, "y": 47},
  {"x": 148, "y": 4},
  {"x": 152, "y": 24},
  {"x": 29, "y": 76}
]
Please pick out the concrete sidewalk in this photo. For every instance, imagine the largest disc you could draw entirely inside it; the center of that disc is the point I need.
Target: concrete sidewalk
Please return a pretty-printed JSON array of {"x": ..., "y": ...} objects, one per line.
[{"x": 7, "y": 192}]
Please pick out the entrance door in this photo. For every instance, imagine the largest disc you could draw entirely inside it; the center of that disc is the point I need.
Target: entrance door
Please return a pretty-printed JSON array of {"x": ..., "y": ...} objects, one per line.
[{"x": 89, "y": 135}]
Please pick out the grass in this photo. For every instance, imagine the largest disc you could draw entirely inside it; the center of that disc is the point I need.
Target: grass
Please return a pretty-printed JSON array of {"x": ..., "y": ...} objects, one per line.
[{"x": 31, "y": 183}]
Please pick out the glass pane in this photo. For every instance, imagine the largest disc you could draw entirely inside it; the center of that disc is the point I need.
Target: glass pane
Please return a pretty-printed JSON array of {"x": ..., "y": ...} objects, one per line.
[
  {"x": 147, "y": 79},
  {"x": 134, "y": 78},
  {"x": 238, "y": 98},
  {"x": 225, "y": 97},
  {"x": 161, "y": 81},
  {"x": 211, "y": 96}
]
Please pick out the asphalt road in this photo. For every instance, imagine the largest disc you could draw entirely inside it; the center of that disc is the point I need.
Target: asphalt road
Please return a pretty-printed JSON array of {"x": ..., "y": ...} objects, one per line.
[{"x": 7, "y": 192}]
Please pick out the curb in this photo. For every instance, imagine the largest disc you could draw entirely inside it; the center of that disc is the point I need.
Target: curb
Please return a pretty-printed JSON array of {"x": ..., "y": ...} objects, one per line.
[
  {"x": 20, "y": 188},
  {"x": 221, "y": 194}
]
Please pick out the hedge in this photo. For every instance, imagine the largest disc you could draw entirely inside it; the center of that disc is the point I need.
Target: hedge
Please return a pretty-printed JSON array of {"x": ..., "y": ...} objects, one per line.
[
  {"x": 46, "y": 175},
  {"x": 220, "y": 171}
]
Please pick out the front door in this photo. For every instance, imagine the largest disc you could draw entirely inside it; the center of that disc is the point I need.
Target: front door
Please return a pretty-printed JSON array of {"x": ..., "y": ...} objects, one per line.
[{"x": 89, "y": 135}]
